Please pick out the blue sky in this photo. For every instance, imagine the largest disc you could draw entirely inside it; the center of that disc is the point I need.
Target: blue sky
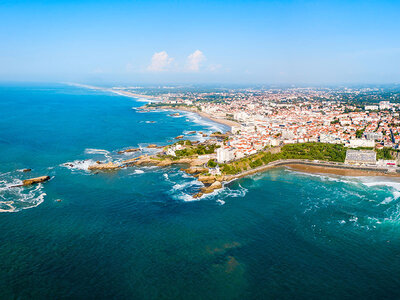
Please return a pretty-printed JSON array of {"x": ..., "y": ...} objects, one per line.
[{"x": 284, "y": 42}]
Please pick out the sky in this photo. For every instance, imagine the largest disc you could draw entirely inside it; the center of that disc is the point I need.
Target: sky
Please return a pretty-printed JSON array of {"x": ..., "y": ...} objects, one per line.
[{"x": 177, "y": 42}]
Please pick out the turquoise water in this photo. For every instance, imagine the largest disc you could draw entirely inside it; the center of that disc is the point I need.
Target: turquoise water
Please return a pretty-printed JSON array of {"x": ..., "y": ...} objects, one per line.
[{"x": 137, "y": 234}]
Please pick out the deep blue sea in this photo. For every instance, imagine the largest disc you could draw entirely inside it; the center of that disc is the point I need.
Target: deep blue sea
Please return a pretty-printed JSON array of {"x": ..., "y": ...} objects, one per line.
[{"x": 137, "y": 234}]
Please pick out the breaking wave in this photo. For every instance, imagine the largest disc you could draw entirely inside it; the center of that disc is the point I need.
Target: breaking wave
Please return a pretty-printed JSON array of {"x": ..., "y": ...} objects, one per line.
[
  {"x": 137, "y": 172},
  {"x": 81, "y": 165},
  {"x": 14, "y": 199},
  {"x": 211, "y": 125},
  {"x": 103, "y": 152}
]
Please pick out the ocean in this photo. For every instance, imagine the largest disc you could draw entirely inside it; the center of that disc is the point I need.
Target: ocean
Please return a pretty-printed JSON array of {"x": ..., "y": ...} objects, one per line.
[{"x": 138, "y": 234}]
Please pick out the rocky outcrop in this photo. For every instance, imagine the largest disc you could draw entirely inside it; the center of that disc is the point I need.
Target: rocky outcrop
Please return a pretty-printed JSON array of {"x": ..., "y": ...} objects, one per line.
[
  {"x": 195, "y": 170},
  {"x": 35, "y": 180},
  {"x": 26, "y": 170},
  {"x": 207, "y": 179},
  {"x": 154, "y": 146},
  {"x": 219, "y": 135},
  {"x": 179, "y": 137},
  {"x": 209, "y": 189},
  {"x": 128, "y": 150},
  {"x": 104, "y": 167},
  {"x": 198, "y": 195}
]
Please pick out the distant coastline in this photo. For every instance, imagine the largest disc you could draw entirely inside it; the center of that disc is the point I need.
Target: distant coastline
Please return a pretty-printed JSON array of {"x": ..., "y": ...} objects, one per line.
[
  {"x": 115, "y": 91},
  {"x": 226, "y": 122}
]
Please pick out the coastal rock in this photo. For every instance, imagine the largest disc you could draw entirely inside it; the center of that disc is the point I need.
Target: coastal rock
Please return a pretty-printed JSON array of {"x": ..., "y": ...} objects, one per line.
[
  {"x": 219, "y": 135},
  {"x": 209, "y": 189},
  {"x": 104, "y": 167},
  {"x": 179, "y": 137},
  {"x": 35, "y": 180},
  {"x": 138, "y": 161},
  {"x": 128, "y": 150},
  {"x": 207, "y": 179},
  {"x": 198, "y": 195},
  {"x": 195, "y": 170},
  {"x": 153, "y": 146},
  {"x": 26, "y": 170},
  {"x": 216, "y": 185},
  {"x": 165, "y": 163}
]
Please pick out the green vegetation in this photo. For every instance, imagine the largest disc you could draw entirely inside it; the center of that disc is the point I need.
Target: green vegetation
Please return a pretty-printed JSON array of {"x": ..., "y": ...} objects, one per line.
[
  {"x": 359, "y": 133},
  {"x": 196, "y": 150},
  {"x": 311, "y": 151},
  {"x": 211, "y": 163},
  {"x": 384, "y": 153},
  {"x": 184, "y": 143}
]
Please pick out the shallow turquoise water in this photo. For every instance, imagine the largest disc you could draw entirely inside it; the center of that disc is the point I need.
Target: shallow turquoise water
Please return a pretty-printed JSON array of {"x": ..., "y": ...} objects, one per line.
[{"x": 135, "y": 234}]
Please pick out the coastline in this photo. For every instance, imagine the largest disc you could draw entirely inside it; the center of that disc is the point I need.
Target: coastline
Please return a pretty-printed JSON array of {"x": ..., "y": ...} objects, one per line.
[
  {"x": 336, "y": 171},
  {"x": 226, "y": 122},
  {"x": 115, "y": 91},
  {"x": 317, "y": 167},
  {"x": 307, "y": 166}
]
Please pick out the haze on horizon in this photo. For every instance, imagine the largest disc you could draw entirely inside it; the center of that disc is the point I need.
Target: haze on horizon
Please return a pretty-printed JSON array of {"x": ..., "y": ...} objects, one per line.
[{"x": 275, "y": 42}]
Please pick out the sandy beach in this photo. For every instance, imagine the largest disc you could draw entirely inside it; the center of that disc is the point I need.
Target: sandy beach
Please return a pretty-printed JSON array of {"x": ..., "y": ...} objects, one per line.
[
  {"x": 338, "y": 171},
  {"x": 226, "y": 122}
]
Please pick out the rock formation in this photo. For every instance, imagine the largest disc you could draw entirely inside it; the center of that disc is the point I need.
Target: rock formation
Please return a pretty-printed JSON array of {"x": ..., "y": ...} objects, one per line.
[
  {"x": 35, "y": 180},
  {"x": 104, "y": 167}
]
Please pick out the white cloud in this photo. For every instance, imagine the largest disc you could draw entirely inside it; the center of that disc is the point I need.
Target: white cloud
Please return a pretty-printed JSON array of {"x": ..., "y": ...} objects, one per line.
[
  {"x": 160, "y": 62},
  {"x": 194, "y": 60},
  {"x": 214, "y": 67}
]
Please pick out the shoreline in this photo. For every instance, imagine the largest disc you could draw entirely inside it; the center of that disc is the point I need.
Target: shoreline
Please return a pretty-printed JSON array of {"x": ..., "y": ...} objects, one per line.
[
  {"x": 312, "y": 169},
  {"x": 225, "y": 122},
  {"x": 318, "y": 167},
  {"x": 115, "y": 91},
  {"x": 302, "y": 165}
]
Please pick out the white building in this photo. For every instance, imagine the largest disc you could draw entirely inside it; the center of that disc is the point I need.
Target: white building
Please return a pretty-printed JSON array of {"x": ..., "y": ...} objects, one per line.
[
  {"x": 224, "y": 155},
  {"x": 235, "y": 129},
  {"x": 330, "y": 138},
  {"x": 360, "y": 157},
  {"x": 373, "y": 135},
  {"x": 371, "y": 107},
  {"x": 355, "y": 143},
  {"x": 170, "y": 152},
  {"x": 384, "y": 105}
]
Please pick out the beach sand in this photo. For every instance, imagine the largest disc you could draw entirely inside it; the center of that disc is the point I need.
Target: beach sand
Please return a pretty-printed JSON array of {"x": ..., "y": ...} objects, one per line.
[
  {"x": 204, "y": 115},
  {"x": 337, "y": 171}
]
